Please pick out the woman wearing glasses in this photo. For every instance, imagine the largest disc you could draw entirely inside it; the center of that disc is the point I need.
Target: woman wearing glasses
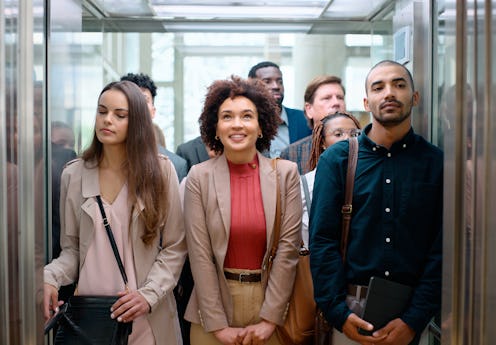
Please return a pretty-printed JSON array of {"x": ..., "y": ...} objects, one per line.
[{"x": 331, "y": 129}]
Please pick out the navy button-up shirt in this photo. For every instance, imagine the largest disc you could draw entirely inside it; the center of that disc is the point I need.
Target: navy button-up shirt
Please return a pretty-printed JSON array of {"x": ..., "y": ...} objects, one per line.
[{"x": 396, "y": 226}]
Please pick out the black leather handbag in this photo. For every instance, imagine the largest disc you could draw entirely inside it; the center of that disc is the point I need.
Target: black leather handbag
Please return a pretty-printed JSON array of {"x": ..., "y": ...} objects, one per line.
[{"x": 85, "y": 320}]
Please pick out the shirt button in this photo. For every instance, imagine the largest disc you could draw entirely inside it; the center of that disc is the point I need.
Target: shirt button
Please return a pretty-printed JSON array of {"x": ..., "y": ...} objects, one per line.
[
  {"x": 388, "y": 239},
  {"x": 388, "y": 180},
  {"x": 389, "y": 154},
  {"x": 387, "y": 209},
  {"x": 404, "y": 145},
  {"x": 386, "y": 273},
  {"x": 374, "y": 149}
]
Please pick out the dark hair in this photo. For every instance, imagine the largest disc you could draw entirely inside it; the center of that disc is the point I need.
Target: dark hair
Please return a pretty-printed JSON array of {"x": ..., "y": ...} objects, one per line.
[
  {"x": 253, "y": 71},
  {"x": 394, "y": 63},
  {"x": 60, "y": 124},
  {"x": 146, "y": 180},
  {"x": 319, "y": 133},
  {"x": 314, "y": 85},
  {"x": 143, "y": 81},
  {"x": 255, "y": 91}
]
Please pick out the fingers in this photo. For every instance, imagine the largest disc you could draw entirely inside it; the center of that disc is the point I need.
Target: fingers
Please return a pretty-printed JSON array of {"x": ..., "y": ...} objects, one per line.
[
  {"x": 129, "y": 307},
  {"x": 351, "y": 326},
  {"x": 241, "y": 336},
  {"x": 50, "y": 300},
  {"x": 360, "y": 323}
]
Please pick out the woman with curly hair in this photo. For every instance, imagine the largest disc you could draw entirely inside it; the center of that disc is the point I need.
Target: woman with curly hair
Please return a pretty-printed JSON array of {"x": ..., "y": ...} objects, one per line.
[
  {"x": 230, "y": 207},
  {"x": 331, "y": 129},
  {"x": 138, "y": 189}
]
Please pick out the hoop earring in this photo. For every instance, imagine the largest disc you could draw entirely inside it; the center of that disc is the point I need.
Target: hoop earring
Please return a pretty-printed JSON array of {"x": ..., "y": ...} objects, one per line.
[
  {"x": 260, "y": 136},
  {"x": 216, "y": 137}
]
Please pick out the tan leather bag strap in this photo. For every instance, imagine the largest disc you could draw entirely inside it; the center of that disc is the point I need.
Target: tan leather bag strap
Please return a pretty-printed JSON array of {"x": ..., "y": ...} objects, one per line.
[
  {"x": 277, "y": 220},
  {"x": 347, "y": 208}
]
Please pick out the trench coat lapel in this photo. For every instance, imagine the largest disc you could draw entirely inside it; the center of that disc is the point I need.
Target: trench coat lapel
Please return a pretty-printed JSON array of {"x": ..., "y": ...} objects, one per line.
[
  {"x": 222, "y": 187},
  {"x": 90, "y": 188}
]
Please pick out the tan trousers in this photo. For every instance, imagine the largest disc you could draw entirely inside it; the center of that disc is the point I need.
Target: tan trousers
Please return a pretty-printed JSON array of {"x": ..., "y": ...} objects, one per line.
[{"x": 247, "y": 301}]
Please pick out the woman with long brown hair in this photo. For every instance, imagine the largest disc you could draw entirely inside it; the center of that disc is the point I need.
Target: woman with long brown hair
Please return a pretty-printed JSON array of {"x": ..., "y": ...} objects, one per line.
[{"x": 139, "y": 193}]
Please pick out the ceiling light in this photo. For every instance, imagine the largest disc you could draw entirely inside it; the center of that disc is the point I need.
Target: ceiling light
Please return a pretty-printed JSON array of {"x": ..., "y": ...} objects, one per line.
[
  {"x": 236, "y": 27},
  {"x": 353, "y": 9},
  {"x": 211, "y": 12},
  {"x": 119, "y": 8}
]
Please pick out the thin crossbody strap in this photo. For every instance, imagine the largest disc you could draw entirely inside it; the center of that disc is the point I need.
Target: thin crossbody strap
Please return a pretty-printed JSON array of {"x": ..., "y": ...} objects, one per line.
[
  {"x": 112, "y": 240},
  {"x": 277, "y": 220},
  {"x": 306, "y": 192},
  {"x": 347, "y": 208}
]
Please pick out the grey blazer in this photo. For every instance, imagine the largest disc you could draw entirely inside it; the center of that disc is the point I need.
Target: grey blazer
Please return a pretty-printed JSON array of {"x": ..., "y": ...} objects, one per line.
[
  {"x": 193, "y": 151},
  {"x": 179, "y": 162},
  {"x": 207, "y": 223},
  {"x": 157, "y": 270}
]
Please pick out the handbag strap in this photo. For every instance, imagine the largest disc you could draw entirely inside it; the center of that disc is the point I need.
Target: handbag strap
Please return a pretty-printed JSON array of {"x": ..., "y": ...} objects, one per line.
[
  {"x": 277, "y": 220},
  {"x": 112, "y": 240},
  {"x": 347, "y": 208},
  {"x": 306, "y": 192}
]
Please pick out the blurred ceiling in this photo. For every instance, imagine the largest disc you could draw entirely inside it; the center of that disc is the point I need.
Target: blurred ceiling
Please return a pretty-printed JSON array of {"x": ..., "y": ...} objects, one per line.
[{"x": 271, "y": 16}]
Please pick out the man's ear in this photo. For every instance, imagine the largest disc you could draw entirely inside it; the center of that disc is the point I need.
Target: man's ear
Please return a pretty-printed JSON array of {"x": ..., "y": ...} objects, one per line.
[
  {"x": 366, "y": 104},
  {"x": 308, "y": 110},
  {"x": 415, "y": 98}
]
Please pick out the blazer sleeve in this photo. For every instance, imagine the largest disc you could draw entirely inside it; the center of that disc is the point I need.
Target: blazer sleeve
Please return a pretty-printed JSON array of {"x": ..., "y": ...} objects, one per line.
[
  {"x": 166, "y": 269},
  {"x": 284, "y": 265},
  {"x": 203, "y": 266}
]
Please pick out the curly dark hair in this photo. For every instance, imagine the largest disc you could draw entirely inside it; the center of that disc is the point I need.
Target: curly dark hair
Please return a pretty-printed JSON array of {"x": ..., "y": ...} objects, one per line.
[
  {"x": 143, "y": 81},
  {"x": 255, "y": 91}
]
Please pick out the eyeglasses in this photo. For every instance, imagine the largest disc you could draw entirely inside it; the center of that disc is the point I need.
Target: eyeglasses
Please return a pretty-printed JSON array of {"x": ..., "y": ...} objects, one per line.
[{"x": 353, "y": 132}]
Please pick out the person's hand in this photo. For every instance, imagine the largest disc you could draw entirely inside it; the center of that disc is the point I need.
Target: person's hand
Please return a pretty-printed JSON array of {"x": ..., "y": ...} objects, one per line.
[
  {"x": 129, "y": 306},
  {"x": 51, "y": 301},
  {"x": 350, "y": 329},
  {"x": 258, "y": 334},
  {"x": 229, "y": 336},
  {"x": 395, "y": 332}
]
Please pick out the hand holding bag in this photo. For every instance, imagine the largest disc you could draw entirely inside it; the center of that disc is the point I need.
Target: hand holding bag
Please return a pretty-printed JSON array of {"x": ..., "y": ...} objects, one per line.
[
  {"x": 298, "y": 328},
  {"x": 86, "y": 320}
]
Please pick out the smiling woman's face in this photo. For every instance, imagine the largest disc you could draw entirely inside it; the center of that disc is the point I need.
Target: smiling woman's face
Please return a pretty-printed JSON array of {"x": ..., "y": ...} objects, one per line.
[{"x": 238, "y": 128}]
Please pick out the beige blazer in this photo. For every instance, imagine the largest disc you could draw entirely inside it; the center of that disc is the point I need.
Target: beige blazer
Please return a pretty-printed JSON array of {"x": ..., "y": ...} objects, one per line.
[
  {"x": 207, "y": 214},
  {"x": 157, "y": 271}
]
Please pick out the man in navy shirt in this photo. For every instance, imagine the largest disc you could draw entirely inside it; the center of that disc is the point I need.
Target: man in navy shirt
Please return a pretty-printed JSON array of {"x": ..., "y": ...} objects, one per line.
[{"x": 396, "y": 226}]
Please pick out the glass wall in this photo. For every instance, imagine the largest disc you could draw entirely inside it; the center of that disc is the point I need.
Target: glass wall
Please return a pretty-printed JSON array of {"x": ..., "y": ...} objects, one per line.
[
  {"x": 466, "y": 107},
  {"x": 184, "y": 64},
  {"x": 23, "y": 169}
]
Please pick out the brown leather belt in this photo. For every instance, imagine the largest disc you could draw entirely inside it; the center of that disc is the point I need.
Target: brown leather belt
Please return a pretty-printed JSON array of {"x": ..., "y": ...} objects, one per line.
[
  {"x": 358, "y": 291},
  {"x": 244, "y": 277}
]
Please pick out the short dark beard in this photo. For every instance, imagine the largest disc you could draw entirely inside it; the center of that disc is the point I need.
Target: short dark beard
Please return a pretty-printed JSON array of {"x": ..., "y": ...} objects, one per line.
[{"x": 392, "y": 122}]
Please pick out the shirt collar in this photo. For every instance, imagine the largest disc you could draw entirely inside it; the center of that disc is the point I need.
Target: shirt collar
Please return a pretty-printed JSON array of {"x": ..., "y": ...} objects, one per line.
[
  {"x": 403, "y": 143},
  {"x": 284, "y": 115}
]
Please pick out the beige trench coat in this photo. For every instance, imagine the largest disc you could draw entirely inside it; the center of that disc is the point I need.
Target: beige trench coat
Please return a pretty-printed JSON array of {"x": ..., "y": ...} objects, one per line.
[{"x": 157, "y": 271}]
